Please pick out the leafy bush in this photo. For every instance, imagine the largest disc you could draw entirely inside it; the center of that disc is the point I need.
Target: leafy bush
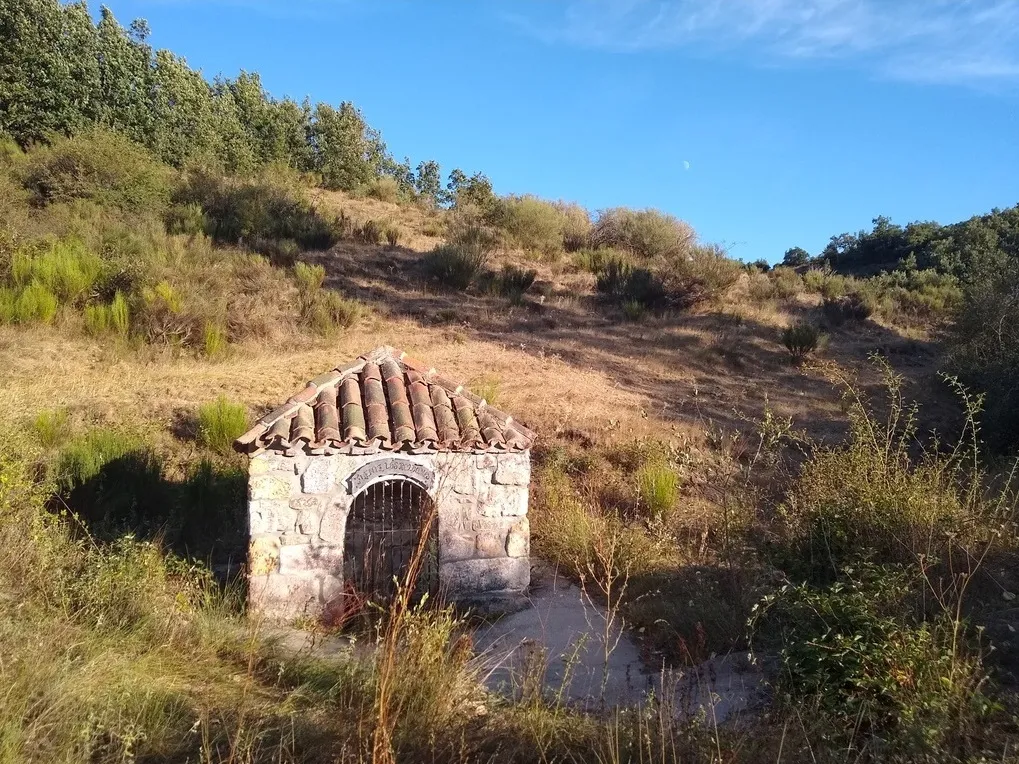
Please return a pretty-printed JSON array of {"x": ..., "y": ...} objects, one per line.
[
  {"x": 393, "y": 235},
  {"x": 984, "y": 344},
  {"x": 101, "y": 167},
  {"x": 214, "y": 342},
  {"x": 851, "y": 307},
  {"x": 457, "y": 262},
  {"x": 595, "y": 260},
  {"x": 269, "y": 207},
  {"x": 309, "y": 280},
  {"x": 633, "y": 310},
  {"x": 801, "y": 339},
  {"x": 84, "y": 457},
  {"x": 858, "y": 653},
  {"x": 780, "y": 283},
  {"x": 647, "y": 234},
  {"x": 872, "y": 497},
  {"x": 220, "y": 423},
  {"x": 454, "y": 266},
  {"x": 704, "y": 274},
  {"x": 513, "y": 282},
  {"x": 385, "y": 189},
  {"x": 576, "y": 225},
  {"x": 625, "y": 283},
  {"x": 331, "y": 310},
  {"x": 372, "y": 232},
  {"x": 186, "y": 219},
  {"x": 532, "y": 224}
]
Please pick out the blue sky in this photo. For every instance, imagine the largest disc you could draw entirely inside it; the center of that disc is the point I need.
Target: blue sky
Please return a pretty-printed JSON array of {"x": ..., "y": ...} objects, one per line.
[{"x": 764, "y": 123}]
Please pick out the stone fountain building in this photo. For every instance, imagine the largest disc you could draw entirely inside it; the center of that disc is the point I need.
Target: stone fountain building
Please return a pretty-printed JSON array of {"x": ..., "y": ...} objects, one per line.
[{"x": 346, "y": 477}]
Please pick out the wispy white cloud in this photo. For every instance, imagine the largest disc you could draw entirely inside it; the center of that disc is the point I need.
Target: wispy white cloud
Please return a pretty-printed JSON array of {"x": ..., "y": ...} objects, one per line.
[{"x": 948, "y": 41}]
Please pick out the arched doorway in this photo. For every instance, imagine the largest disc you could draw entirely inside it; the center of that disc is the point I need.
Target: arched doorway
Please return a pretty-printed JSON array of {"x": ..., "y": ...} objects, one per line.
[{"x": 384, "y": 530}]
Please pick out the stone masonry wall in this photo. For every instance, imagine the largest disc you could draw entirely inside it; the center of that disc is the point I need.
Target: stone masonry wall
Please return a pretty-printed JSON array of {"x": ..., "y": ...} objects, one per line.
[{"x": 298, "y": 508}]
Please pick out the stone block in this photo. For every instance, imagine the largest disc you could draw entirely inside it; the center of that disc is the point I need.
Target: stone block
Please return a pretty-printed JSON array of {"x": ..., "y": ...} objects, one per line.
[
  {"x": 486, "y": 461},
  {"x": 333, "y": 525},
  {"x": 466, "y": 578},
  {"x": 490, "y": 544},
  {"x": 293, "y": 538},
  {"x": 268, "y": 487},
  {"x": 271, "y": 462},
  {"x": 503, "y": 501},
  {"x": 308, "y": 558},
  {"x": 309, "y": 523},
  {"x": 307, "y": 503},
  {"x": 320, "y": 475},
  {"x": 263, "y": 555},
  {"x": 278, "y": 596},
  {"x": 518, "y": 540},
  {"x": 456, "y": 546},
  {"x": 264, "y": 515},
  {"x": 513, "y": 469}
]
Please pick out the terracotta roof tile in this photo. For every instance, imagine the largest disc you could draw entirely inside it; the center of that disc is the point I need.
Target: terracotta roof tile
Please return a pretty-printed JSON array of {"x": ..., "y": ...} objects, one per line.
[{"x": 389, "y": 401}]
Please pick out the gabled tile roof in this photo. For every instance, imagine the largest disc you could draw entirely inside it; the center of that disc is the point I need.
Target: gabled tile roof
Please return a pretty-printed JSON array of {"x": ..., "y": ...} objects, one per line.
[{"x": 385, "y": 401}]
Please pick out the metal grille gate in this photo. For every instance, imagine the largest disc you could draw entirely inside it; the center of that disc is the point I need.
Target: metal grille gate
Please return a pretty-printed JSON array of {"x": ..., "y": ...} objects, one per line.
[{"x": 383, "y": 530}]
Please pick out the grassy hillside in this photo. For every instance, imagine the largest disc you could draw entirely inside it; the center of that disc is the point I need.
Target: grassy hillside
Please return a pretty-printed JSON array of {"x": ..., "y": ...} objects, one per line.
[{"x": 691, "y": 452}]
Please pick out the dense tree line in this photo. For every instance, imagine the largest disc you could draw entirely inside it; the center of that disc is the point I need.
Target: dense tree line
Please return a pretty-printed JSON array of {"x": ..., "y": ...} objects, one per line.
[
  {"x": 62, "y": 72},
  {"x": 950, "y": 249}
]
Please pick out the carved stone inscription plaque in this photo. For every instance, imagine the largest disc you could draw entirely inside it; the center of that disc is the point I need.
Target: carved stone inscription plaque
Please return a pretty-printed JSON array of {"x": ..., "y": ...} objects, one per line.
[{"x": 391, "y": 467}]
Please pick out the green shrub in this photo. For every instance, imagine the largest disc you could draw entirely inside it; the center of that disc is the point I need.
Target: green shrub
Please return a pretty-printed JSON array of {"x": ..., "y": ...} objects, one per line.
[
  {"x": 67, "y": 268},
  {"x": 785, "y": 282},
  {"x": 35, "y": 303},
  {"x": 703, "y": 274},
  {"x": 626, "y": 283},
  {"x": 372, "y": 232},
  {"x": 871, "y": 497},
  {"x": 50, "y": 427},
  {"x": 576, "y": 225},
  {"x": 857, "y": 653},
  {"x": 309, "y": 280},
  {"x": 801, "y": 339},
  {"x": 458, "y": 261},
  {"x": 513, "y": 282},
  {"x": 101, "y": 167},
  {"x": 984, "y": 344},
  {"x": 454, "y": 266},
  {"x": 385, "y": 189},
  {"x": 633, "y": 310},
  {"x": 214, "y": 342},
  {"x": 220, "y": 423},
  {"x": 850, "y": 307},
  {"x": 595, "y": 260},
  {"x": 532, "y": 224},
  {"x": 115, "y": 317},
  {"x": 186, "y": 219},
  {"x": 331, "y": 310},
  {"x": 393, "y": 235},
  {"x": 646, "y": 234},
  {"x": 658, "y": 488},
  {"x": 487, "y": 388},
  {"x": 269, "y": 207},
  {"x": 8, "y": 305}
]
